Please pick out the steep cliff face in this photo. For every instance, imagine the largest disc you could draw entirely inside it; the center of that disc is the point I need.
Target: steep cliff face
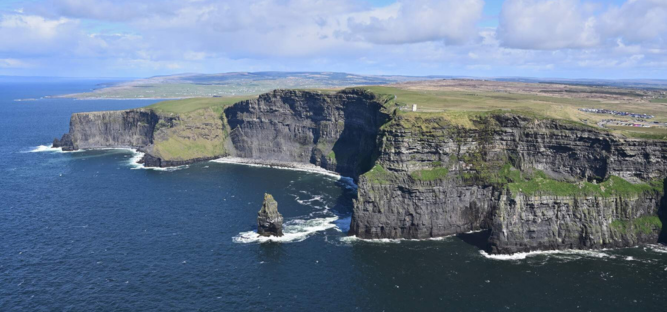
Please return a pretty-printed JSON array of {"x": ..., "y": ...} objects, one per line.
[
  {"x": 167, "y": 139},
  {"x": 131, "y": 129},
  {"x": 544, "y": 222},
  {"x": 335, "y": 131},
  {"x": 435, "y": 178}
]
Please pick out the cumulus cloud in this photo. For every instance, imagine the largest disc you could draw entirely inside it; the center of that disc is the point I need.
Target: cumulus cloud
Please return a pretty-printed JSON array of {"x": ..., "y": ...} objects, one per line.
[
  {"x": 575, "y": 24},
  {"x": 36, "y": 35},
  {"x": 546, "y": 25},
  {"x": 636, "y": 21},
  {"x": 417, "y": 21}
]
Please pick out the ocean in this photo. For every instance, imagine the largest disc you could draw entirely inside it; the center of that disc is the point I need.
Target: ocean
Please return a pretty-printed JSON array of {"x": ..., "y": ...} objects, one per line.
[{"x": 94, "y": 231}]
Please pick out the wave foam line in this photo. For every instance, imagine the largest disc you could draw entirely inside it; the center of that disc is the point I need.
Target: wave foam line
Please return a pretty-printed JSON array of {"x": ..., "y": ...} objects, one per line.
[
  {"x": 353, "y": 238},
  {"x": 293, "y": 231},
  {"x": 277, "y": 165},
  {"x": 657, "y": 248},
  {"x": 524, "y": 255},
  {"x": 134, "y": 161},
  {"x": 49, "y": 149}
]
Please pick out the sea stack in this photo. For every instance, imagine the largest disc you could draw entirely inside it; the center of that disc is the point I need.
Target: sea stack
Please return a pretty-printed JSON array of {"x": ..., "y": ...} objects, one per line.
[{"x": 269, "y": 220}]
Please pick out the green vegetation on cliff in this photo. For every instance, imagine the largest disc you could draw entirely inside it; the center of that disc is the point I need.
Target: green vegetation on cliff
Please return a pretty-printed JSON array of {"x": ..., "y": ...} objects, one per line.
[
  {"x": 197, "y": 134},
  {"x": 193, "y": 104},
  {"x": 430, "y": 174},
  {"x": 539, "y": 183},
  {"x": 378, "y": 175},
  {"x": 641, "y": 225}
]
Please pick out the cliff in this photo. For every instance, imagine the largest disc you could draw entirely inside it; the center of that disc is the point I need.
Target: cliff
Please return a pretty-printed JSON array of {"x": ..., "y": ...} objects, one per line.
[
  {"x": 167, "y": 139},
  {"x": 533, "y": 183},
  {"x": 335, "y": 131},
  {"x": 129, "y": 129}
]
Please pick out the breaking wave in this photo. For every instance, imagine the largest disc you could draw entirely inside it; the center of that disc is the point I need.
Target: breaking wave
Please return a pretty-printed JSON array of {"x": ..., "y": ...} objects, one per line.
[
  {"x": 524, "y": 255},
  {"x": 277, "y": 165},
  {"x": 293, "y": 231},
  {"x": 656, "y": 248},
  {"x": 49, "y": 149},
  {"x": 351, "y": 239},
  {"x": 133, "y": 162}
]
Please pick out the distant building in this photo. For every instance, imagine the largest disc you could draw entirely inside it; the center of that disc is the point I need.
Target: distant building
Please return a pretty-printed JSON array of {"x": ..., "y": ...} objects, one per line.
[{"x": 414, "y": 107}]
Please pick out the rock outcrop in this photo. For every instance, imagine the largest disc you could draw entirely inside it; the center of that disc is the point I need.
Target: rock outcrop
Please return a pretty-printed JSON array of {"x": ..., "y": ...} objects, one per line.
[
  {"x": 533, "y": 183},
  {"x": 269, "y": 220},
  {"x": 65, "y": 143}
]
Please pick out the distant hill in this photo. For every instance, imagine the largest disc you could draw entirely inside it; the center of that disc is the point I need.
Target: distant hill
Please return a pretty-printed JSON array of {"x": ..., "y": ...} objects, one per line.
[{"x": 234, "y": 84}]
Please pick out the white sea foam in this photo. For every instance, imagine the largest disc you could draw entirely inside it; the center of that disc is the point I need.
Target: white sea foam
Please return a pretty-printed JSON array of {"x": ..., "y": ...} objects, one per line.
[
  {"x": 350, "y": 239},
  {"x": 134, "y": 161},
  {"x": 44, "y": 148},
  {"x": 277, "y": 165},
  {"x": 657, "y": 248},
  {"x": 293, "y": 231},
  {"x": 307, "y": 202},
  {"x": 524, "y": 255},
  {"x": 49, "y": 149}
]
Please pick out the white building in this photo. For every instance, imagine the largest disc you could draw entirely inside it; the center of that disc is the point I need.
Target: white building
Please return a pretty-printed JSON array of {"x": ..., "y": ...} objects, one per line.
[{"x": 414, "y": 107}]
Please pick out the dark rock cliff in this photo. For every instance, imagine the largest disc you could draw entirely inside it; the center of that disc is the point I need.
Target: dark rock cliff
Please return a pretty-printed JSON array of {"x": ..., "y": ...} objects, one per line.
[
  {"x": 335, "y": 131},
  {"x": 533, "y": 183},
  {"x": 433, "y": 178},
  {"x": 127, "y": 129}
]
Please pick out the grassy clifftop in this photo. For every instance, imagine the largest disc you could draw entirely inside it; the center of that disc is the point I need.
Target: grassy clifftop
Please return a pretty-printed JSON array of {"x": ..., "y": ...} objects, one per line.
[
  {"x": 190, "y": 105},
  {"x": 456, "y": 106}
]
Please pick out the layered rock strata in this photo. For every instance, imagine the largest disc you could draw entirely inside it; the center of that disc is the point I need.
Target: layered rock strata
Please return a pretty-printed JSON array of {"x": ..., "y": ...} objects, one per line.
[
  {"x": 533, "y": 183},
  {"x": 269, "y": 220}
]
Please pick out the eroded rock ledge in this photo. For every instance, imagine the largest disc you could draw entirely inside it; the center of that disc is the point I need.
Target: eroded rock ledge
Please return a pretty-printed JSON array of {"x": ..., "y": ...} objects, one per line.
[{"x": 534, "y": 183}]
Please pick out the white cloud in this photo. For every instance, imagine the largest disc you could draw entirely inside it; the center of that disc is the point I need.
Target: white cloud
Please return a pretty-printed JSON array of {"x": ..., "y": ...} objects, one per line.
[
  {"x": 411, "y": 21},
  {"x": 421, "y": 37},
  {"x": 636, "y": 21},
  {"x": 576, "y": 24},
  {"x": 33, "y": 34},
  {"x": 546, "y": 25}
]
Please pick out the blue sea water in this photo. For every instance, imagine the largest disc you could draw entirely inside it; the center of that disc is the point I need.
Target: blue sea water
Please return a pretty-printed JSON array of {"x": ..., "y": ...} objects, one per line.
[{"x": 88, "y": 231}]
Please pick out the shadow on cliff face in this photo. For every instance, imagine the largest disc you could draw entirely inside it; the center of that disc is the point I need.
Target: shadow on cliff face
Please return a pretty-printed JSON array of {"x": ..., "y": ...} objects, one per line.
[
  {"x": 478, "y": 239},
  {"x": 662, "y": 213},
  {"x": 357, "y": 147}
]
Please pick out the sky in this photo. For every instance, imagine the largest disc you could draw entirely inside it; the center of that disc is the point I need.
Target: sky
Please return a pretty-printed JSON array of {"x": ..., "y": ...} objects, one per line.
[{"x": 613, "y": 39}]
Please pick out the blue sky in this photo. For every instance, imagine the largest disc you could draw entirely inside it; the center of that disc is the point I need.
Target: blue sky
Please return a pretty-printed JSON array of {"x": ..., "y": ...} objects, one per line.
[{"x": 486, "y": 38}]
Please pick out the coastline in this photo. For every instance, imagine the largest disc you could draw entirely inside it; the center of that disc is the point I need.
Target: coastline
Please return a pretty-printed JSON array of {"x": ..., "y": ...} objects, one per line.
[{"x": 280, "y": 165}]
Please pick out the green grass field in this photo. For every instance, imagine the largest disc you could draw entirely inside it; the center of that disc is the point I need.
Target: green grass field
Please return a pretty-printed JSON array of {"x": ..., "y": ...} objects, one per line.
[
  {"x": 457, "y": 107},
  {"x": 190, "y": 105}
]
